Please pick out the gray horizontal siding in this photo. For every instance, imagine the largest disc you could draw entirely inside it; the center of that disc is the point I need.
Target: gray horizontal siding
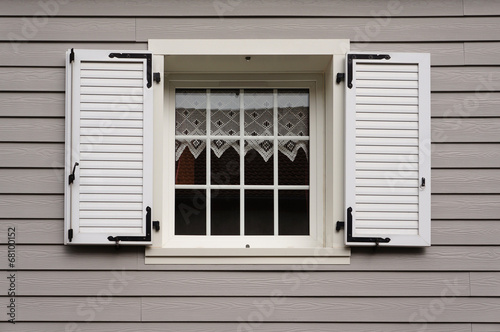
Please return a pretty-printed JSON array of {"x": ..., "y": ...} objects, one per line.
[
  {"x": 231, "y": 327},
  {"x": 52, "y": 54},
  {"x": 324, "y": 284},
  {"x": 400, "y": 29},
  {"x": 240, "y": 8},
  {"x": 379, "y": 291}
]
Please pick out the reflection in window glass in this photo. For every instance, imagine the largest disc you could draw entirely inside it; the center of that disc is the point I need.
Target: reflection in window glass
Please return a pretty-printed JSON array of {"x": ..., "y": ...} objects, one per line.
[
  {"x": 225, "y": 212},
  {"x": 190, "y": 212},
  {"x": 259, "y": 212},
  {"x": 293, "y": 212}
]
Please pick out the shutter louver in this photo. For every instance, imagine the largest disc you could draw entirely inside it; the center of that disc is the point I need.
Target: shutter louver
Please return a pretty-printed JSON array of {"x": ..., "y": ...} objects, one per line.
[
  {"x": 109, "y": 134},
  {"x": 387, "y": 152}
]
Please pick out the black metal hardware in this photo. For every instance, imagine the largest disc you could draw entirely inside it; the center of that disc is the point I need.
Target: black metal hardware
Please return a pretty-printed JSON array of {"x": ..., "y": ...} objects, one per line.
[
  {"x": 422, "y": 183},
  {"x": 340, "y": 77},
  {"x": 351, "y": 57},
  {"x": 147, "y": 238},
  {"x": 350, "y": 238},
  {"x": 156, "y": 225},
  {"x": 156, "y": 77},
  {"x": 146, "y": 56},
  {"x": 71, "y": 177},
  {"x": 340, "y": 225},
  {"x": 70, "y": 234},
  {"x": 72, "y": 56}
]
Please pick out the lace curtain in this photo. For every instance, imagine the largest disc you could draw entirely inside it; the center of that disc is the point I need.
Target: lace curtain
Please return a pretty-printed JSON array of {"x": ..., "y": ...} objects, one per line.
[{"x": 259, "y": 120}]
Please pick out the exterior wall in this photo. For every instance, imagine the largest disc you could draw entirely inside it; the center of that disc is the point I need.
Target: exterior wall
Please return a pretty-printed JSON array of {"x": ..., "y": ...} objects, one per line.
[{"x": 452, "y": 286}]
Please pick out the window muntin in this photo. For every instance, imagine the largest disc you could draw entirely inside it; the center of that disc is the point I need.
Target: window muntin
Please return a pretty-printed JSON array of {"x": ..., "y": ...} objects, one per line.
[{"x": 238, "y": 192}]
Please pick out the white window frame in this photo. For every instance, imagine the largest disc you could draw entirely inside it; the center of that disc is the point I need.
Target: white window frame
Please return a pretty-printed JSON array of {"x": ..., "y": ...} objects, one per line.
[{"x": 332, "y": 250}]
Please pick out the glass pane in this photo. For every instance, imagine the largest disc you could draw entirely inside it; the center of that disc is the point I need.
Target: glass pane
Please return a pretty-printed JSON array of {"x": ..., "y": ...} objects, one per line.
[
  {"x": 190, "y": 161},
  {"x": 225, "y": 162},
  {"x": 293, "y": 163},
  {"x": 225, "y": 213},
  {"x": 259, "y": 162},
  {"x": 293, "y": 112},
  {"x": 259, "y": 212},
  {"x": 225, "y": 112},
  {"x": 190, "y": 212},
  {"x": 259, "y": 108},
  {"x": 293, "y": 212},
  {"x": 190, "y": 112}
]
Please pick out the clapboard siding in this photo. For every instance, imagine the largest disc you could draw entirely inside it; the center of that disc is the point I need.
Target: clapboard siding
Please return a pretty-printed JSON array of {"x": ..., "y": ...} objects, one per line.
[
  {"x": 319, "y": 309},
  {"x": 324, "y": 284},
  {"x": 481, "y": 7},
  {"x": 466, "y": 232},
  {"x": 485, "y": 327},
  {"x": 59, "y": 257},
  {"x": 31, "y": 79},
  {"x": 465, "y": 130},
  {"x": 29, "y": 155},
  {"x": 32, "y": 181},
  {"x": 465, "y": 181},
  {"x": 435, "y": 258},
  {"x": 34, "y": 231},
  {"x": 52, "y": 54},
  {"x": 231, "y": 327},
  {"x": 485, "y": 284},
  {"x": 19, "y": 30},
  {"x": 35, "y": 130},
  {"x": 465, "y": 79},
  {"x": 482, "y": 53},
  {"x": 239, "y": 8},
  {"x": 465, "y": 104},
  {"x": 233, "y": 309},
  {"x": 472, "y": 155},
  {"x": 32, "y": 104},
  {"x": 465, "y": 206},
  {"x": 32, "y": 206},
  {"x": 398, "y": 30}
]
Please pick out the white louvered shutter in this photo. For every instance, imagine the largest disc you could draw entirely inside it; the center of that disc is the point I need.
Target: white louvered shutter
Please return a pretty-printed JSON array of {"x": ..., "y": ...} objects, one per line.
[
  {"x": 108, "y": 147},
  {"x": 387, "y": 151}
]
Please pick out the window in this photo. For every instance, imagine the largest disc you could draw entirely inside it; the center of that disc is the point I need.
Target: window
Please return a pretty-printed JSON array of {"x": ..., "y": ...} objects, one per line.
[
  {"x": 252, "y": 186},
  {"x": 203, "y": 146}
]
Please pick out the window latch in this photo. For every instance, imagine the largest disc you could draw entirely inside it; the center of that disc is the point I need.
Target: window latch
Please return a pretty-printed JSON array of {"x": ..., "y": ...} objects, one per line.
[
  {"x": 340, "y": 77},
  {"x": 71, "y": 177}
]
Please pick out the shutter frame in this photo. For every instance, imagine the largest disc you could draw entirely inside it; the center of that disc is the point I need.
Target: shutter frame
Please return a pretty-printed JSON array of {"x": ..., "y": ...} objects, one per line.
[
  {"x": 108, "y": 96},
  {"x": 383, "y": 130}
]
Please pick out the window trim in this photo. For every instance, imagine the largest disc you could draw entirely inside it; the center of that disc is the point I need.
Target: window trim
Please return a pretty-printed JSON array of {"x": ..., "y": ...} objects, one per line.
[{"x": 334, "y": 251}]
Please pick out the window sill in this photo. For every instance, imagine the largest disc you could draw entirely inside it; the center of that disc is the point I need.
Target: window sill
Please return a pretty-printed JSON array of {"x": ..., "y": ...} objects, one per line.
[{"x": 304, "y": 256}]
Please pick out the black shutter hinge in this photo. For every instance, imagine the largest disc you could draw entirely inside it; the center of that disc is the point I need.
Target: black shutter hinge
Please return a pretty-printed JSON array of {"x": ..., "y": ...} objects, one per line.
[
  {"x": 352, "y": 57},
  {"x": 71, "y": 177},
  {"x": 156, "y": 77},
  {"x": 340, "y": 77},
  {"x": 145, "y": 238},
  {"x": 147, "y": 56},
  {"x": 70, "y": 234},
  {"x": 72, "y": 56},
  {"x": 351, "y": 238}
]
